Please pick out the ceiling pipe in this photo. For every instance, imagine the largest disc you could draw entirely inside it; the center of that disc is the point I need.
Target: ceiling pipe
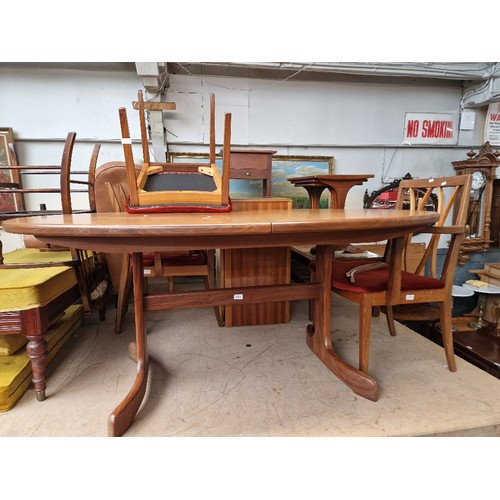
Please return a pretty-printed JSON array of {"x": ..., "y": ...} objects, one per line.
[{"x": 475, "y": 71}]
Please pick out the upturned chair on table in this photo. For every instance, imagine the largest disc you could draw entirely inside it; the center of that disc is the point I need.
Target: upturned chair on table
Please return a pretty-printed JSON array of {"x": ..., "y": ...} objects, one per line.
[
  {"x": 170, "y": 187},
  {"x": 386, "y": 284},
  {"x": 112, "y": 195}
]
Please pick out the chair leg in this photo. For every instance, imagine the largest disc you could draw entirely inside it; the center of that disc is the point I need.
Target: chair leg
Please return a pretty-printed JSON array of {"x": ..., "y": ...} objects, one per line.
[
  {"x": 447, "y": 333},
  {"x": 389, "y": 313},
  {"x": 365, "y": 320}
]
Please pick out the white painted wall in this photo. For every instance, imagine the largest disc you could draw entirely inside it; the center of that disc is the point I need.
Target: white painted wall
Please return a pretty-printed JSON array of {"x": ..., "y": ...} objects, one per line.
[
  {"x": 356, "y": 120},
  {"x": 42, "y": 105},
  {"x": 359, "y": 124}
]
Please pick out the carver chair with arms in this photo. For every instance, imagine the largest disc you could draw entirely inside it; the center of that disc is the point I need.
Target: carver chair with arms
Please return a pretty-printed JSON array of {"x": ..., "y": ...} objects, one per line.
[{"x": 386, "y": 284}]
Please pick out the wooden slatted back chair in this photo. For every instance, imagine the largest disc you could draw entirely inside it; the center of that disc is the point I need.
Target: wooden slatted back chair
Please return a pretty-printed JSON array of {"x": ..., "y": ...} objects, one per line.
[
  {"x": 20, "y": 190},
  {"x": 388, "y": 284},
  {"x": 90, "y": 267}
]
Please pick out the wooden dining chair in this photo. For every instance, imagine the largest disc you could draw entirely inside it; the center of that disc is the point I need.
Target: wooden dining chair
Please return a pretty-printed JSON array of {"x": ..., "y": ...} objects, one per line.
[
  {"x": 90, "y": 267},
  {"x": 111, "y": 196},
  {"x": 386, "y": 284}
]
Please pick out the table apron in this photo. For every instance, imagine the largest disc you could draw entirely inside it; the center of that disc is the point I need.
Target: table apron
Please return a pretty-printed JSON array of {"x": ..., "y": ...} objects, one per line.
[{"x": 150, "y": 243}]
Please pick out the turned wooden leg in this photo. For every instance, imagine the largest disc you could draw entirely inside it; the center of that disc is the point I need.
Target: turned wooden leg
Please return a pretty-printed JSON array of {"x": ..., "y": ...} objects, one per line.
[{"x": 37, "y": 352}]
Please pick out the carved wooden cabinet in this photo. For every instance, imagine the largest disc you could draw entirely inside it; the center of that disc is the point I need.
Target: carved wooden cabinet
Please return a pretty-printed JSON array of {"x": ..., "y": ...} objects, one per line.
[
  {"x": 495, "y": 214},
  {"x": 482, "y": 166},
  {"x": 255, "y": 266}
]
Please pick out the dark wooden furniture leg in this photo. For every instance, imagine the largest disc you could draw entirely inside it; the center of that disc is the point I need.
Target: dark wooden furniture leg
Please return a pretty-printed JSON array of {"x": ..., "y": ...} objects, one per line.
[
  {"x": 318, "y": 335},
  {"x": 37, "y": 350},
  {"x": 124, "y": 414}
]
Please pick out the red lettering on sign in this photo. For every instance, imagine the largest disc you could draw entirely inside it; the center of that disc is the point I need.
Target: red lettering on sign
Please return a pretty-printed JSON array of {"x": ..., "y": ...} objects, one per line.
[
  {"x": 412, "y": 129},
  {"x": 495, "y": 117},
  {"x": 437, "y": 129}
]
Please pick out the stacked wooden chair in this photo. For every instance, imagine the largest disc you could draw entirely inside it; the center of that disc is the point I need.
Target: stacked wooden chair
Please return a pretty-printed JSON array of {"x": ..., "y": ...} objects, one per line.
[
  {"x": 111, "y": 187},
  {"x": 174, "y": 187},
  {"x": 158, "y": 187}
]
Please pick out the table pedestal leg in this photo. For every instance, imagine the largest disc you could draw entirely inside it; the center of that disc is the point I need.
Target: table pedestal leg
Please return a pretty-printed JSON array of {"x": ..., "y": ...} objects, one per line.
[
  {"x": 318, "y": 335},
  {"x": 338, "y": 196},
  {"x": 124, "y": 414},
  {"x": 314, "y": 193}
]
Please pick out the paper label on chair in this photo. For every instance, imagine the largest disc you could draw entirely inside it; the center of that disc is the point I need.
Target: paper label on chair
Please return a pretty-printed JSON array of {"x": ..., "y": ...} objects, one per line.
[
  {"x": 410, "y": 297},
  {"x": 147, "y": 271},
  {"x": 238, "y": 296}
]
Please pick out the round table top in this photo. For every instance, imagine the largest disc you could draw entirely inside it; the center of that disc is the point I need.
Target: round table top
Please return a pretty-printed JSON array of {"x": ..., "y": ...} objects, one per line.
[{"x": 491, "y": 289}]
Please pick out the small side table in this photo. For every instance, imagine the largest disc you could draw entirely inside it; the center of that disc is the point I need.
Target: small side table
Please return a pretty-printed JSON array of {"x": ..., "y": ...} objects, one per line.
[
  {"x": 338, "y": 185},
  {"x": 253, "y": 164}
]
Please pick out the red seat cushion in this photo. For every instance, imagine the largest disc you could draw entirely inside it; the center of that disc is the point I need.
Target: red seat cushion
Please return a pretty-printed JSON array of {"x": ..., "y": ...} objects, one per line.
[{"x": 376, "y": 280}]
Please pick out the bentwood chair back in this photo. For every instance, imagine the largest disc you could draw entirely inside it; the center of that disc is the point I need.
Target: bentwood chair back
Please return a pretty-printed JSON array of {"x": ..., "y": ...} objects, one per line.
[{"x": 388, "y": 284}]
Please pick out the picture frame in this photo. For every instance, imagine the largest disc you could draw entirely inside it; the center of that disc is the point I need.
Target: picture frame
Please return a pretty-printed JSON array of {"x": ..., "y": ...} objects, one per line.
[
  {"x": 284, "y": 167},
  {"x": 9, "y": 202}
]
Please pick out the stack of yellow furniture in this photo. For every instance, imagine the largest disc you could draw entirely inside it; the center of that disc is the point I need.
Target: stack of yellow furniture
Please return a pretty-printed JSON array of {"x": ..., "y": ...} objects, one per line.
[
  {"x": 29, "y": 287},
  {"x": 15, "y": 366},
  {"x": 23, "y": 289}
]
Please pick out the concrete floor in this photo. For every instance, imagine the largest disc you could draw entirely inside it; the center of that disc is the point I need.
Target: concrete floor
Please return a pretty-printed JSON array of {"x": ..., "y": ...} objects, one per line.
[{"x": 255, "y": 381}]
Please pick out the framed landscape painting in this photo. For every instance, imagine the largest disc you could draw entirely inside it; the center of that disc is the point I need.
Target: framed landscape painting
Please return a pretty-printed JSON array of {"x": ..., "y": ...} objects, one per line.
[{"x": 283, "y": 168}]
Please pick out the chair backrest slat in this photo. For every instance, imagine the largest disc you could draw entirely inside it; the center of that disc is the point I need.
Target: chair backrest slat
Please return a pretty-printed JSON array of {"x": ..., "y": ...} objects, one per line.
[{"x": 449, "y": 196}]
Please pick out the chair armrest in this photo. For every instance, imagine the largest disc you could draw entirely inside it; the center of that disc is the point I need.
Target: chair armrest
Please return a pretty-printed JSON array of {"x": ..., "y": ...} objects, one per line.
[{"x": 445, "y": 230}]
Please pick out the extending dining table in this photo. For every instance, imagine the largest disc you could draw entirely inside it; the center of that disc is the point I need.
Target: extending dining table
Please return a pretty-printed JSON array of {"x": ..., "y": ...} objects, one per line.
[{"x": 136, "y": 234}]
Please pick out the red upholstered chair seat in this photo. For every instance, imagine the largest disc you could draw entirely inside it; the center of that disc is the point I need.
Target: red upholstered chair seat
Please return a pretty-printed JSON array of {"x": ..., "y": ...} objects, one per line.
[
  {"x": 194, "y": 258},
  {"x": 375, "y": 280}
]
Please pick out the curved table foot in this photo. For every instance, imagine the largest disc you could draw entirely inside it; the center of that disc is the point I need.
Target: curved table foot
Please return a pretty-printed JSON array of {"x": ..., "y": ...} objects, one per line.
[
  {"x": 124, "y": 414},
  {"x": 359, "y": 382}
]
